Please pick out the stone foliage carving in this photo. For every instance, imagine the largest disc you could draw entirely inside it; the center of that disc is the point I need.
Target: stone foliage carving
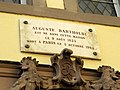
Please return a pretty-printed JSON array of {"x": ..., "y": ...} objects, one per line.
[
  {"x": 67, "y": 75},
  {"x": 30, "y": 79},
  {"x": 67, "y": 72},
  {"x": 108, "y": 80}
]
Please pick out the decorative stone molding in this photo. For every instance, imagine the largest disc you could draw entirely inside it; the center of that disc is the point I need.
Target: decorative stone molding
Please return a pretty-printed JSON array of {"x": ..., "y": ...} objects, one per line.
[
  {"x": 67, "y": 72},
  {"x": 63, "y": 74},
  {"x": 108, "y": 80},
  {"x": 30, "y": 79}
]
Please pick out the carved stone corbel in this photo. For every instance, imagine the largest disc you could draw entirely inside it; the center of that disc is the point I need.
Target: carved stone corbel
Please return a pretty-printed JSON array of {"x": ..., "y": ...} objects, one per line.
[
  {"x": 108, "y": 80},
  {"x": 67, "y": 72},
  {"x": 30, "y": 79}
]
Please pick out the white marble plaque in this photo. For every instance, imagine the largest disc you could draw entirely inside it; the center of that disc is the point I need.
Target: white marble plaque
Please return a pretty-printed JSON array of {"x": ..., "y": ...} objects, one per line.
[{"x": 47, "y": 36}]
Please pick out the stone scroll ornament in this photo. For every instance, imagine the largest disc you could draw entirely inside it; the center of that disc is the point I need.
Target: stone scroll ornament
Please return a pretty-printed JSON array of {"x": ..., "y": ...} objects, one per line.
[
  {"x": 30, "y": 79},
  {"x": 67, "y": 72},
  {"x": 108, "y": 80}
]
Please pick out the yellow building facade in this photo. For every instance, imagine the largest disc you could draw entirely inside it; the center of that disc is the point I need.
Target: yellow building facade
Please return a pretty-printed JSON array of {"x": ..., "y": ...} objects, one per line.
[{"x": 108, "y": 35}]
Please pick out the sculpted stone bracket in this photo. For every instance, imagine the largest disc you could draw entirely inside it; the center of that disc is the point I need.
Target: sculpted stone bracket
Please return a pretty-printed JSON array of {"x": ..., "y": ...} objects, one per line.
[
  {"x": 66, "y": 75},
  {"x": 30, "y": 79},
  {"x": 67, "y": 72},
  {"x": 108, "y": 80}
]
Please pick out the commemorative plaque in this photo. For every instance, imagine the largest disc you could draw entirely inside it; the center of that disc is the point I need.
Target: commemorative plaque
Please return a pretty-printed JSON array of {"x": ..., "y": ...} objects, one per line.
[{"x": 47, "y": 36}]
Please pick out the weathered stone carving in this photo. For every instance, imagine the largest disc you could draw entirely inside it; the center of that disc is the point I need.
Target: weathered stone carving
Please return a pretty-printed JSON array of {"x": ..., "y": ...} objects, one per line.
[
  {"x": 67, "y": 75},
  {"x": 30, "y": 79},
  {"x": 108, "y": 80},
  {"x": 67, "y": 72}
]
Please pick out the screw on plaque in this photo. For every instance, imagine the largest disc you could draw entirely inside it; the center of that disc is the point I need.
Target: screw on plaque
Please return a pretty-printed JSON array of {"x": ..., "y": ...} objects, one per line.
[
  {"x": 27, "y": 46},
  {"x": 25, "y": 22},
  {"x": 90, "y": 30},
  {"x": 95, "y": 53}
]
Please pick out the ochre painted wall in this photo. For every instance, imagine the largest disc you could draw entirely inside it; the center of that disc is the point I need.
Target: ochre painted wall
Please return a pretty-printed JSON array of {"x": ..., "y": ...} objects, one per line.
[
  {"x": 55, "y": 4},
  {"x": 107, "y": 36}
]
